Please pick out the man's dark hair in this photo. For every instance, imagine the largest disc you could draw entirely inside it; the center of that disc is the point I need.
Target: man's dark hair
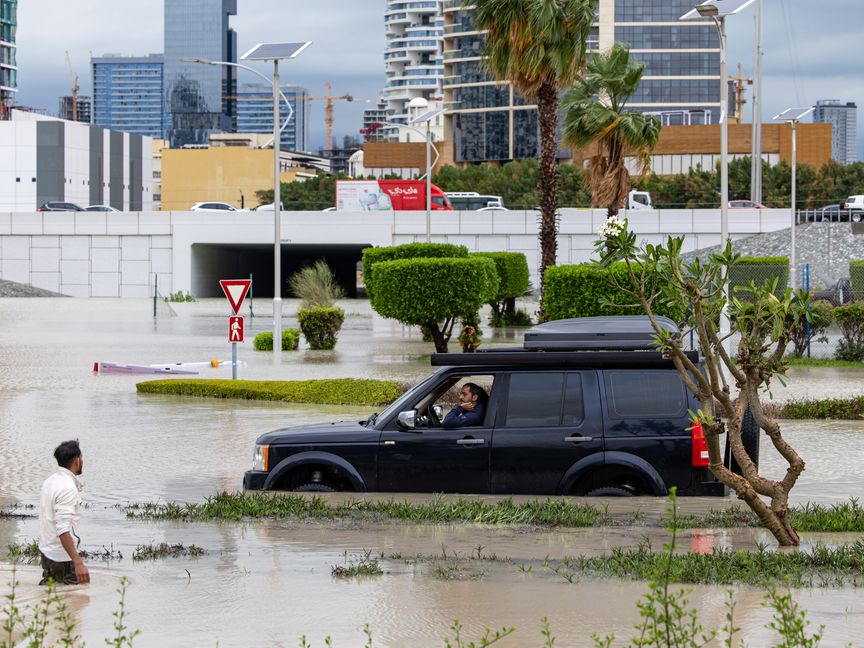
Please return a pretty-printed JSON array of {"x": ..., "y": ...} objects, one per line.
[
  {"x": 67, "y": 452},
  {"x": 477, "y": 391}
]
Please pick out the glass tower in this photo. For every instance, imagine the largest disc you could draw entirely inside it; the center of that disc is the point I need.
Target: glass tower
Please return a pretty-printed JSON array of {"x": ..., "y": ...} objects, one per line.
[
  {"x": 8, "y": 66},
  {"x": 843, "y": 118},
  {"x": 491, "y": 121},
  {"x": 199, "y": 99},
  {"x": 255, "y": 113},
  {"x": 128, "y": 94}
]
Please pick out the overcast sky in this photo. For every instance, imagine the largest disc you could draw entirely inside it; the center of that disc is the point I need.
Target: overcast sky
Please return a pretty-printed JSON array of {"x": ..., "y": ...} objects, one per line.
[{"x": 810, "y": 48}]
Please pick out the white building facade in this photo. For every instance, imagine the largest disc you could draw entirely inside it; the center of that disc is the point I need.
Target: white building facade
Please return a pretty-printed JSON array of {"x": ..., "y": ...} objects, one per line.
[
  {"x": 413, "y": 59},
  {"x": 44, "y": 159}
]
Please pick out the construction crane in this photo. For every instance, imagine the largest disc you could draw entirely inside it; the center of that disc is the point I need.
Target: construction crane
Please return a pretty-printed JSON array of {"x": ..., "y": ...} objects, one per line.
[
  {"x": 740, "y": 80},
  {"x": 74, "y": 78},
  {"x": 328, "y": 111}
]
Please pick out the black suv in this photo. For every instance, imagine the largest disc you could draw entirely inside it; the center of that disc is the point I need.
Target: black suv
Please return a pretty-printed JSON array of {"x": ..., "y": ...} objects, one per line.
[{"x": 585, "y": 407}]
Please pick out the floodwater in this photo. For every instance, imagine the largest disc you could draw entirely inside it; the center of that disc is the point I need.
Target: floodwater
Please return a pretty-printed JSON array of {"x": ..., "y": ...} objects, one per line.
[{"x": 267, "y": 583}]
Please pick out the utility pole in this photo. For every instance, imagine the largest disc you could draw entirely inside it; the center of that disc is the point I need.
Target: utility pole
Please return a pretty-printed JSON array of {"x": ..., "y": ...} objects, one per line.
[{"x": 756, "y": 136}]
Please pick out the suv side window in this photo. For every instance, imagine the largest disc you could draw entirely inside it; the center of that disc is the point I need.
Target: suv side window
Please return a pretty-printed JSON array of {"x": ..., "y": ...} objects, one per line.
[
  {"x": 535, "y": 399},
  {"x": 574, "y": 408},
  {"x": 645, "y": 394}
]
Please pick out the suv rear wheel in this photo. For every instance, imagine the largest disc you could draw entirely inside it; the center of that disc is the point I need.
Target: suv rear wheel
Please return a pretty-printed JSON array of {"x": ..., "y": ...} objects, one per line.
[
  {"x": 609, "y": 491},
  {"x": 314, "y": 488}
]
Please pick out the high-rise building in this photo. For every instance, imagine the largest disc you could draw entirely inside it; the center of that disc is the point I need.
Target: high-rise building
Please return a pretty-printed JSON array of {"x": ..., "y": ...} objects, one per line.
[
  {"x": 843, "y": 118},
  {"x": 255, "y": 113},
  {"x": 373, "y": 116},
  {"x": 413, "y": 59},
  {"x": 77, "y": 109},
  {"x": 8, "y": 65},
  {"x": 128, "y": 94},
  {"x": 488, "y": 120},
  {"x": 199, "y": 99}
]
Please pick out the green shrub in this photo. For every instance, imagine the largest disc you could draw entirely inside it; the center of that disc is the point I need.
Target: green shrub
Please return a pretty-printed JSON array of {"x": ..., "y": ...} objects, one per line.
[
  {"x": 433, "y": 292},
  {"x": 371, "y": 256},
  {"x": 821, "y": 316},
  {"x": 580, "y": 290},
  {"x": 315, "y": 285},
  {"x": 856, "y": 278},
  {"x": 759, "y": 270},
  {"x": 513, "y": 279},
  {"x": 340, "y": 391},
  {"x": 519, "y": 317},
  {"x": 320, "y": 325},
  {"x": 180, "y": 297},
  {"x": 850, "y": 319},
  {"x": 829, "y": 408},
  {"x": 290, "y": 340}
]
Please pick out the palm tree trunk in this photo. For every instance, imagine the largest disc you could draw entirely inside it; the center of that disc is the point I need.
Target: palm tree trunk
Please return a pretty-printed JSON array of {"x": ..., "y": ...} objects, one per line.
[{"x": 547, "y": 106}]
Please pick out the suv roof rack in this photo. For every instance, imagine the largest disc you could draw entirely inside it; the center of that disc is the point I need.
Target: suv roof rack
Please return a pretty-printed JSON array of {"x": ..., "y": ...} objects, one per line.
[{"x": 614, "y": 333}]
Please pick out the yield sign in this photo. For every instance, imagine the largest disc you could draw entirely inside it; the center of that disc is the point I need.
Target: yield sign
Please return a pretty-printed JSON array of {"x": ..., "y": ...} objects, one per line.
[{"x": 235, "y": 290}]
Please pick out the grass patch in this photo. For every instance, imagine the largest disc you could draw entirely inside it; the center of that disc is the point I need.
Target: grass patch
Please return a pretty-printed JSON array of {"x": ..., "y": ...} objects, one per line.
[
  {"x": 28, "y": 553},
  {"x": 850, "y": 409},
  {"x": 337, "y": 391},
  {"x": 824, "y": 362},
  {"x": 240, "y": 505},
  {"x": 842, "y": 517},
  {"x": 360, "y": 565},
  {"x": 821, "y": 567},
  {"x": 165, "y": 550}
]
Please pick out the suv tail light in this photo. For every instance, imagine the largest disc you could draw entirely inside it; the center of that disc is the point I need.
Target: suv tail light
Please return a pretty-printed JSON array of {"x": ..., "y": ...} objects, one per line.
[{"x": 699, "y": 447}]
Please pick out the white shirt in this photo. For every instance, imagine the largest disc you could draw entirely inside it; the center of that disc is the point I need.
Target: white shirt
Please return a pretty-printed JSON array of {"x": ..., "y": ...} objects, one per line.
[{"x": 59, "y": 512}]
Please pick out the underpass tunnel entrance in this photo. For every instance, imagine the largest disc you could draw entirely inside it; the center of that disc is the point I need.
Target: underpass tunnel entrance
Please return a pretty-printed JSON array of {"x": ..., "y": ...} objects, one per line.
[{"x": 214, "y": 261}]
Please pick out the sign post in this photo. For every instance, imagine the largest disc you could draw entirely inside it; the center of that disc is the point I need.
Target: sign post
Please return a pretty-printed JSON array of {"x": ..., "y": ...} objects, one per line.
[{"x": 235, "y": 291}]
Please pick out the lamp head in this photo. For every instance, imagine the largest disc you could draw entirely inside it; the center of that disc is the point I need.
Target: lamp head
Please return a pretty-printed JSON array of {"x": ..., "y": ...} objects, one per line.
[{"x": 708, "y": 11}]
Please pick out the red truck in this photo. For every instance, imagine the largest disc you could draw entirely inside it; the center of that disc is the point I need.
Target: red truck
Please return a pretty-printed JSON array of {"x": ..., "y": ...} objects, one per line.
[{"x": 387, "y": 195}]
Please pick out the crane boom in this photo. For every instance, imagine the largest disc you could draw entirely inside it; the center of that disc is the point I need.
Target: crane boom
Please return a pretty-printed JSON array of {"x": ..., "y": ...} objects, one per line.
[
  {"x": 328, "y": 111},
  {"x": 74, "y": 78}
]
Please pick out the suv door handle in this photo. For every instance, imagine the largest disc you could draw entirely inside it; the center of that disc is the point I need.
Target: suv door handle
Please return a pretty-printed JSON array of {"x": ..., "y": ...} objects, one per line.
[
  {"x": 470, "y": 441},
  {"x": 578, "y": 439}
]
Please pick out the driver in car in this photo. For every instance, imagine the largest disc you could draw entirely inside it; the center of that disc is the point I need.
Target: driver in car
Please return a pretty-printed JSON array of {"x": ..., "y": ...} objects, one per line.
[{"x": 471, "y": 409}]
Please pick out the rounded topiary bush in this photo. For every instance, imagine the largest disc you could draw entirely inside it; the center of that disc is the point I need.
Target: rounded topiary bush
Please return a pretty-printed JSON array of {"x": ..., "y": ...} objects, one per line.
[
  {"x": 320, "y": 325},
  {"x": 290, "y": 340},
  {"x": 371, "y": 256}
]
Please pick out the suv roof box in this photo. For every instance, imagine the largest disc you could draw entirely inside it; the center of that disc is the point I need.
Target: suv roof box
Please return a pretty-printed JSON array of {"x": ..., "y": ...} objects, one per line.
[{"x": 614, "y": 333}]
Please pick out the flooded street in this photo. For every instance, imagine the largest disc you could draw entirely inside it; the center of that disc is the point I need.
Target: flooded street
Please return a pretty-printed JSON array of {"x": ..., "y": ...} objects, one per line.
[{"x": 267, "y": 583}]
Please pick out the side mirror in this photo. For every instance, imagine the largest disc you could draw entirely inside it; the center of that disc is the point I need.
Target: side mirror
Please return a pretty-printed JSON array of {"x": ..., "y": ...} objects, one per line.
[
  {"x": 439, "y": 411},
  {"x": 407, "y": 420}
]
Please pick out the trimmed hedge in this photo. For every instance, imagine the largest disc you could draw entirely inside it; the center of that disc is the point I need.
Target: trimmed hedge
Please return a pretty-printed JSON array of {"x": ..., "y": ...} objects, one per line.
[
  {"x": 338, "y": 391},
  {"x": 758, "y": 270},
  {"x": 513, "y": 275},
  {"x": 577, "y": 290},
  {"x": 371, "y": 256},
  {"x": 290, "y": 340},
  {"x": 320, "y": 325},
  {"x": 850, "y": 409},
  {"x": 856, "y": 278},
  {"x": 426, "y": 291}
]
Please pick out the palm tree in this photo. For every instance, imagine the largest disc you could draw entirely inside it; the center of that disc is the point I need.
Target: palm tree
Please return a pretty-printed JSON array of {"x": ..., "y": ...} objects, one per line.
[
  {"x": 595, "y": 113},
  {"x": 539, "y": 46}
]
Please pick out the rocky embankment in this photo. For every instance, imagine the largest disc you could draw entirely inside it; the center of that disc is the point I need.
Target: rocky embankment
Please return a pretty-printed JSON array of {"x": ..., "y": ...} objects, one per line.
[{"x": 13, "y": 289}]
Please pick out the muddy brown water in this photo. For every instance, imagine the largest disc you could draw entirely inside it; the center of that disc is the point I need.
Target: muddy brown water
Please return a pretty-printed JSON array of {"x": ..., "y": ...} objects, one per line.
[{"x": 267, "y": 583}]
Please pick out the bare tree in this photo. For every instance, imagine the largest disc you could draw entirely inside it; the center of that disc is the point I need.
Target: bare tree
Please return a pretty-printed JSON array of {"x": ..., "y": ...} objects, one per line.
[{"x": 730, "y": 382}]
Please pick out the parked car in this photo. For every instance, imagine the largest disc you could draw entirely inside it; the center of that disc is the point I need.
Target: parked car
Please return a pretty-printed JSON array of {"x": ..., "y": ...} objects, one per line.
[
  {"x": 269, "y": 207},
  {"x": 56, "y": 205},
  {"x": 745, "y": 204},
  {"x": 586, "y": 407},
  {"x": 213, "y": 206},
  {"x": 855, "y": 205},
  {"x": 839, "y": 294},
  {"x": 101, "y": 208}
]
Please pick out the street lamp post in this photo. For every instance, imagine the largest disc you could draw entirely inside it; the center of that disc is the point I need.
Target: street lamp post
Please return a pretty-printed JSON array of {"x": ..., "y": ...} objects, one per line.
[
  {"x": 718, "y": 10},
  {"x": 271, "y": 52},
  {"x": 427, "y": 118},
  {"x": 276, "y": 52},
  {"x": 793, "y": 116}
]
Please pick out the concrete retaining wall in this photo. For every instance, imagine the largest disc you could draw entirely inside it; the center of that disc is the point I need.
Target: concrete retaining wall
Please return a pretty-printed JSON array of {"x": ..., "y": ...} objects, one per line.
[{"x": 93, "y": 254}]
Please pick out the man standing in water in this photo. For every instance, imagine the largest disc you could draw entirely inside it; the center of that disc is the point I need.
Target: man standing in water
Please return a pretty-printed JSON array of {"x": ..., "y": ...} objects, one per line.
[{"x": 59, "y": 512}]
